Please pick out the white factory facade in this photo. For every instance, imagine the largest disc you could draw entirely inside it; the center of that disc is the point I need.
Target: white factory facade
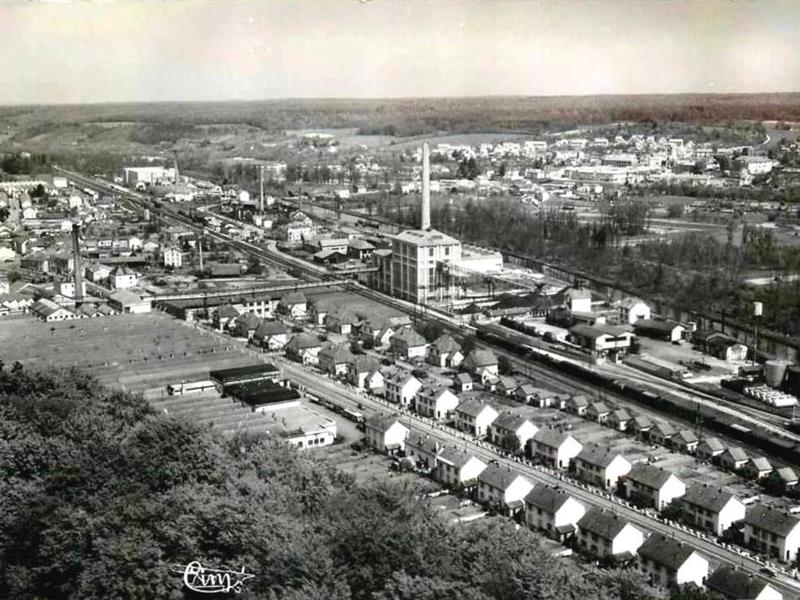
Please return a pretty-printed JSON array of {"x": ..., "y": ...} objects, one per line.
[{"x": 419, "y": 268}]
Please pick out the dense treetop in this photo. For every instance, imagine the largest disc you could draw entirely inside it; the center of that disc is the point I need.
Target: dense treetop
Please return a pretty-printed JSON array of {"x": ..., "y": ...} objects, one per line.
[{"x": 99, "y": 495}]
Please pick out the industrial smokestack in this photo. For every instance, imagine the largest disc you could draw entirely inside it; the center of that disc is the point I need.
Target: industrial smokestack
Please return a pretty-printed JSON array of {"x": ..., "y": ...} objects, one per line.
[
  {"x": 426, "y": 187},
  {"x": 77, "y": 271},
  {"x": 261, "y": 189}
]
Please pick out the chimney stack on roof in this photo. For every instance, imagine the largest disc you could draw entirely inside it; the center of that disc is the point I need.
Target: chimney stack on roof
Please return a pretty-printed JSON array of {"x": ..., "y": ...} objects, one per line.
[{"x": 426, "y": 188}]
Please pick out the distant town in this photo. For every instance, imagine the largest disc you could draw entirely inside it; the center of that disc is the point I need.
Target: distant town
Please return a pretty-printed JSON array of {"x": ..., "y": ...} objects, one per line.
[{"x": 315, "y": 301}]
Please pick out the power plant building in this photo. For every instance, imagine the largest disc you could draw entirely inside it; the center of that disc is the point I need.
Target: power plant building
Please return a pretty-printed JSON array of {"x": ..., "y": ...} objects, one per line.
[{"x": 420, "y": 259}]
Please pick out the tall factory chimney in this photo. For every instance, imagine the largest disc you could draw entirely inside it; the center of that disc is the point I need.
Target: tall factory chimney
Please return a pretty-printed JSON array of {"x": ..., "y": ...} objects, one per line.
[
  {"x": 77, "y": 271},
  {"x": 426, "y": 187},
  {"x": 261, "y": 189},
  {"x": 200, "y": 248}
]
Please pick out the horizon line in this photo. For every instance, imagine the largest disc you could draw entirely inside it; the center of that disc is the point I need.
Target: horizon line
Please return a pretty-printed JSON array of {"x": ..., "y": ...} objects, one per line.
[{"x": 392, "y": 98}]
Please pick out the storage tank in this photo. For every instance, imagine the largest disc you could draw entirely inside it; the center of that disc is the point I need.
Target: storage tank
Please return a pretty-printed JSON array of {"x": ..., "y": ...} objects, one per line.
[{"x": 774, "y": 372}]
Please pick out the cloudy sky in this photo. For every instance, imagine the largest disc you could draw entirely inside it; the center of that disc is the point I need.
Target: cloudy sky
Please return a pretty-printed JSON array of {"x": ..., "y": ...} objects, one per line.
[{"x": 122, "y": 50}]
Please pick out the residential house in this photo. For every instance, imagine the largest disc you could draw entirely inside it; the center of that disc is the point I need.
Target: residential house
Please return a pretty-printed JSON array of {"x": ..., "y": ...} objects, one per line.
[
  {"x": 710, "y": 508},
  {"x": 555, "y": 448},
  {"x": 661, "y": 433},
  {"x": 481, "y": 364},
  {"x": 640, "y": 426},
  {"x": 652, "y": 486},
  {"x": 475, "y": 417},
  {"x": 503, "y": 489},
  {"x": 669, "y": 331},
  {"x": 436, "y": 402},
  {"x": 554, "y": 511},
  {"x": 710, "y": 447},
  {"x": 457, "y": 468},
  {"x": 600, "y": 466},
  {"x": 408, "y": 344},
  {"x": 733, "y": 458},
  {"x": 445, "y": 352},
  {"x": 171, "y": 257},
  {"x": 535, "y": 396},
  {"x": 506, "y": 384},
  {"x": 462, "y": 382},
  {"x": 246, "y": 324},
  {"x": 293, "y": 305},
  {"x": 401, "y": 388},
  {"x": 341, "y": 323},
  {"x": 685, "y": 441},
  {"x": 785, "y": 476},
  {"x": 335, "y": 359},
  {"x": 757, "y": 468},
  {"x": 606, "y": 535},
  {"x": 122, "y": 278},
  {"x": 578, "y": 404},
  {"x": 97, "y": 272},
  {"x": 304, "y": 348},
  {"x": 669, "y": 562},
  {"x": 271, "y": 335},
  {"x": 364, "y": 373},
  {"x": 423, "y": 449},
  {"x": 386, "y": 433},
  {"x": 598, "y": 411},
  {"x": 507, "y": 425},
  {"x": 632, "y": 310},
  {"x": 772, "y": 532},
  {"x": 574, "y": 299},
  {"x": 618, "y": 419},
  {"x": 737, "y": 584},
  {"x": 224, "y": 316}
]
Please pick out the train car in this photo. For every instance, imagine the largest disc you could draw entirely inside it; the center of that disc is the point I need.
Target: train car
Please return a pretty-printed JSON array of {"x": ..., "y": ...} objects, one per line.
[{"x": 353, "y": 415}]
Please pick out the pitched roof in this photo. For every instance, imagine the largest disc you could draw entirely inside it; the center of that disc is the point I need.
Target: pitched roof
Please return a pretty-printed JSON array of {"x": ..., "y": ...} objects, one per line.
[
  {"x": 338, "y": 353},
  {"x": 642, "y": 422},
  {"x": 498, "y": 477},
  {"x": 473, "y": 407},
  {"x": 445, "y": 343},
  {"x": 736, "y": 583},
  {"x": 787, "y": 474},
  {"x": 382, "y": 422},
  {"x": 620, "y": 415},
  {"x": 596, "y": 331},
  {"x": 664, "y": 429},
  {"x": 293, "y": 298},
  {"x": 737, "y": 453},
  {"x": 547, "y": 498},
  {"x": 480, "y": 358},
  {"x": 761, "y": 463},
  {"x": 266, "y": 329},
  {"x": 713, "y": 444},
  {"x": 509, "y": 421},
  {"x": 301, "y": 341},
  {"x": 603, "y": 523},
  {"x": 551, "y": 437},
  {"x": 409, "y": 337},
  {"x": 454, "y": 456},
  {"x": 597, "y": 455},
  {"x": 227, "y": 311},
  {"x": 687, "y": 436},
  {"x": 599, "y": 407},
  {"x": 772, "y": 520},
  {"x": 666, "y": 550},
  {"x": 649, "y": 476},
  {"x": 463, "y": 378},
  {"x": 706, "y": 496},
  {"x": 364, "y": 364},
  {"x": 248, "y": 321}
]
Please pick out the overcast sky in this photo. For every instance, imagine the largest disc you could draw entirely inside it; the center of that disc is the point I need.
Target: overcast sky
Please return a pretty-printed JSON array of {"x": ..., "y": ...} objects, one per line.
[{"x": 192, "y": 50}]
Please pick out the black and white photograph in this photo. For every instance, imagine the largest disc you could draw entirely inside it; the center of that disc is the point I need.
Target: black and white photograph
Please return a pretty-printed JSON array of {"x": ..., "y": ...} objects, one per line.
[{"x": 400, "y": 299}]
